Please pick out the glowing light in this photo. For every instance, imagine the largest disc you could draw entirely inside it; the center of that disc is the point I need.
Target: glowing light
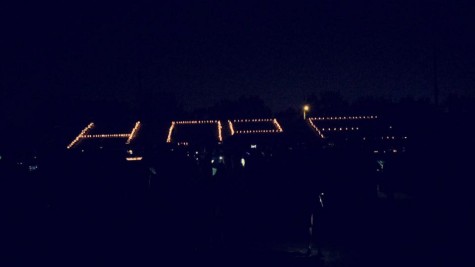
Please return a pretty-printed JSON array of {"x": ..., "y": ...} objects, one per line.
[
  {"x": 219, "y": 126},
  {"x": 133, "y": 158},
  {"x": 169, "y": 137},
  {"x": 80, "y": 135},
  {"x": 278, "y": 128},
  {"x": 277, "y": 125},
  {"x": 306, "y": 108},
  {"x": 231, "y": 127},
  {"x": 90, "y": 136},
  {"x": 316, "y": 128},
  {"x": 84, "y": 135},
  {"x": 345, "y": 118},
  {"x": 133, "y": 133},
  {"x": 182, "y": 143},
  {"x": 253, "y": 120}
]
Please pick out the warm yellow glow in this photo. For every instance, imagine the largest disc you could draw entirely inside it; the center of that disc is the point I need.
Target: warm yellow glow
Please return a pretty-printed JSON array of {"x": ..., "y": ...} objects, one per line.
[
  {"x": 133, "y": 158},
  {"x": 80, "y": 135},
  {"x": 170, "y": 130},
  {"x": 316, "y": 128},
  {"x": 90, "y": 136},
  {"x": 306, "y": 108},
  {"x": 345, "y": 118},
  {"x": 133, "y": 133},
  {"x": 278, "y": 128},
  {"x": 253, "y": 120},
  {"x": 231, "y": 127},
  {"x": 256, "y": 131},
  {"x": 342, "y": 129},
  {"x": 220, "y": 136},
  {"x": 197, "y": 122},
  {"x": 83, "y": 134},
  {"x": 219, "y": 126}
]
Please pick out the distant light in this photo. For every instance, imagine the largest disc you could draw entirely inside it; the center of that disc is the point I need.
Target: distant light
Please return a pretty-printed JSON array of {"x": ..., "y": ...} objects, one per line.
[
  {"x": 130, "y": 152},
  {"x": 83, "y": 135},
  {"x": 231, "y": 127},
  {"x": 277, "y": 127},
  {"x": 32, "y": 168},
  {"x": 133, "y": 158},
  {"x": 253, "y": 146},
  {"x": 80, "y": 135},
  {"x": 172, "y": 126},
  {"x": 345, "y": 118},
  {"x": 310, "y": 121},
  {"x": 243, "y": 162},
  {"x": 169, "y": 137},
  {"x": 220, "y": 136},
  {"x": 133, "y": 133}
]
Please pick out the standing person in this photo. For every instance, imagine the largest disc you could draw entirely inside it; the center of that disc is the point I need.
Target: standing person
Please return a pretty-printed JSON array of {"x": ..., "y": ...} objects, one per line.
[{"x": 314, "y": 226}]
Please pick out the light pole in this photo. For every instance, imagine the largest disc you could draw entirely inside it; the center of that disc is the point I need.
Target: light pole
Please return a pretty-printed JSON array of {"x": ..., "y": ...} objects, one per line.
[{"x": 306, "y": 108}]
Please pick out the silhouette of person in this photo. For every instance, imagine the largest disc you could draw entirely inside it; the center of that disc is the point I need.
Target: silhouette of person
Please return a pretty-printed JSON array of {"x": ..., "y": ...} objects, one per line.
[{"x": 314, "y": 226}]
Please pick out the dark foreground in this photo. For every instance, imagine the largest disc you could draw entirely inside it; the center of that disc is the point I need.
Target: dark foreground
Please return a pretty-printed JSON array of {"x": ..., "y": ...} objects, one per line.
[{"x": 96, "y": 212}]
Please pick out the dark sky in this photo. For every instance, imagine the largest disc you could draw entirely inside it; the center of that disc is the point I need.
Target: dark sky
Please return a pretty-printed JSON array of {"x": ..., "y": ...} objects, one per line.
[{"x": 205, "y": 51}]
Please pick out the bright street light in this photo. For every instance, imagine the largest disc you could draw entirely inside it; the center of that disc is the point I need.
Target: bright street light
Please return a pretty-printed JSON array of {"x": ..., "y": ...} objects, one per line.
[{"x": 306, "y": 108}]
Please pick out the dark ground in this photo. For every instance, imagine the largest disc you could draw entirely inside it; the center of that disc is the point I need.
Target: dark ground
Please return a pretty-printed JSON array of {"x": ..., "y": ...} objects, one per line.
[{"x": 91, "y": 211}]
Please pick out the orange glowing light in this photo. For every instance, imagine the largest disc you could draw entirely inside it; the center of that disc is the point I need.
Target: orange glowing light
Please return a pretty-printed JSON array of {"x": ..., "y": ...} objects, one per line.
[
  {"x": 217, "y": 122},
  {"x": 133, "y": 158},
  {"x": 277, "y": 127}
]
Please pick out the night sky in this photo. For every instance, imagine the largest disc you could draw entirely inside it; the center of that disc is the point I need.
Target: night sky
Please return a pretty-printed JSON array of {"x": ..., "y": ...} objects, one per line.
[{"x": 206, "y": 51}]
